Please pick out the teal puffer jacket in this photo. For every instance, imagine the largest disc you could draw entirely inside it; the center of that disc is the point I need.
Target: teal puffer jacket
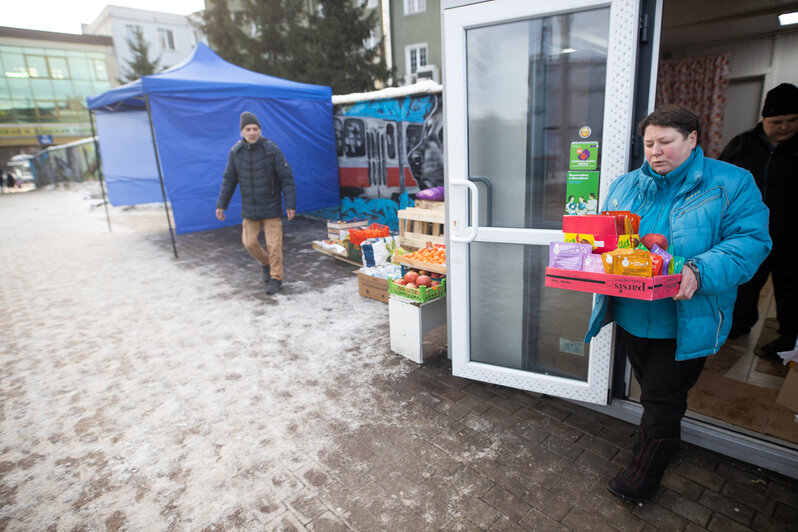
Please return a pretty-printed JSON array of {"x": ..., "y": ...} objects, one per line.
[
  {"x": 262, "y": 173},
  {"x": 718, "y": 221}
]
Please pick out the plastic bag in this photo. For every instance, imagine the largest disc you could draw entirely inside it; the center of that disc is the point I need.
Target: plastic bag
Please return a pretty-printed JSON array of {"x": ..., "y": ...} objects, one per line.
[
  {"x": 431, "y": 194},
  {"x": 377, "y": 251}
]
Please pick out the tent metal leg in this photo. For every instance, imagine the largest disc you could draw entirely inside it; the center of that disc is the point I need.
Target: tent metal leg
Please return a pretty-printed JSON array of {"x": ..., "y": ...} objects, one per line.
[
  {"x": 160, "y": 176},
  {"x": 99, "y": 169}
]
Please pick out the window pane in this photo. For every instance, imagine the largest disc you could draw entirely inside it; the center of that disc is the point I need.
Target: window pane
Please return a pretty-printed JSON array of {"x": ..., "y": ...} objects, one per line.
[
  {"x": 14, "y": 65},
  {"x": 99, "y": 86},
  {"x": 4, "y": 88},
  {"x": 62, "y": 89},
  {"x": 83, "y": 89},
  {"x": 19, "y": 88},
  {"x": 6, "y": 110},
  {"x": 37, "y": 66},
  {"x": 422, "y": 56},
  {"x": 46, "y": 109},
  {"x": 42, "y": 89},
  {"x": 58, "y": 68},
  {"x": 79, "y": 67},
  {"x": 525, "y": 109},
  {"x": 24, "y": 109},
  {"x": 100, "y": 71}
]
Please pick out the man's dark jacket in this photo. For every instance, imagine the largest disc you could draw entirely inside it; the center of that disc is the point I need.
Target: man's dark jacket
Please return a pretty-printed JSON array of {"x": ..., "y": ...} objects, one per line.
[
  {"x": 262, "y": 172},
  {"x": 775, "y": 171}
]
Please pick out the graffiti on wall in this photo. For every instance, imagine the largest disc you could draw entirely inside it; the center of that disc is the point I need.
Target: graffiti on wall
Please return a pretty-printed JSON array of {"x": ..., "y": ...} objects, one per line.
[{"x": 388, "y": 150}]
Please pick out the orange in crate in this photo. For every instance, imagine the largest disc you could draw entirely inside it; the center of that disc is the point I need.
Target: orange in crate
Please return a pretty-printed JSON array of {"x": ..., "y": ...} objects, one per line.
[{"x": 357, "y": 236}]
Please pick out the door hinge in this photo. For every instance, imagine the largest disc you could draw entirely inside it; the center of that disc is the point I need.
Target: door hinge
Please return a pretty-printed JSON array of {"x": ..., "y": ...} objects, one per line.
[{"x": 644, "y": 28}]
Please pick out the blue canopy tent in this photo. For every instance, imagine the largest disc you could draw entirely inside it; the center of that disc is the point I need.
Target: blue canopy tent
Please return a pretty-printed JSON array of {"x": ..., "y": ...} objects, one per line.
[{"x": 192, "y": 113}]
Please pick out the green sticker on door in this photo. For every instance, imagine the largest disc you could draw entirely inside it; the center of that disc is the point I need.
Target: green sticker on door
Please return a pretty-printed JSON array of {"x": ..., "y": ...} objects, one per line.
[
  {"x": 582, "y": 193},
  {"x": 584, "y": 156}
]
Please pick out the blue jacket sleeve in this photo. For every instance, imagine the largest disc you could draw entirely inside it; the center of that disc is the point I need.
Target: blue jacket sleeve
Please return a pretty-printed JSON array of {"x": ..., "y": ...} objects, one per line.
[
  {"x": 229, "y": 183},
  {"x": 745, "y": 241}
]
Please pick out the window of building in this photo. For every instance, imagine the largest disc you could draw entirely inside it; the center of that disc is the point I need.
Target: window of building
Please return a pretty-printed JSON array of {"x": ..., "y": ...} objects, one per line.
[
  {"x": 37, "y": 66},
  {"x": 99, "y": 69},
  {"x": 79, "y": 67},
  {"x": 415, "y": 6},
  {"x": 14, "y": 65},
  {"x": 415, "y": 56},
  {"x": 58, "y": 68},
  {"x": 167, "y": 39}
]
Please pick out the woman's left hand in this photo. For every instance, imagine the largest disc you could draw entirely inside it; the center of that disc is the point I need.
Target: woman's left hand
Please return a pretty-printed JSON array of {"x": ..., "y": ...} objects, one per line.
[{"x": 688, "y": 285}]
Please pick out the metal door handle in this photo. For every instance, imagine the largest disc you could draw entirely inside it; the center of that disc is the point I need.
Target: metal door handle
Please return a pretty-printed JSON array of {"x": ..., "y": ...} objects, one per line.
[{"x": 472, "y": 230}]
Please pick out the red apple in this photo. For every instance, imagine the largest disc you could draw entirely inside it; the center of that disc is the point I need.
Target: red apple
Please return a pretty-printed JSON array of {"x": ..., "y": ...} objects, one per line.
[
  {"x": 423, "y": 280},
  {"x": 400, "y": 282},
  {"x": 411, "y": 276},
  {"x": 411, "y": 285},
  {"x": 433, "y": 284},
  {"x": 655, "y": 238}
]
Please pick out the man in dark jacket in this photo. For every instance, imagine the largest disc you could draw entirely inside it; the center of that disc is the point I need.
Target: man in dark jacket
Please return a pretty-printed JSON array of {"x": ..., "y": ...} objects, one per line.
[
  {"x": 770, "y": 153},
  {"x": 259, "y": 168}
]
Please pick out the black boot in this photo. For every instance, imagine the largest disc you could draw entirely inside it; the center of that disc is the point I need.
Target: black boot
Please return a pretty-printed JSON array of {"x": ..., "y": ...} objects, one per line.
[
  {"x": 651, "y": 457},
  {"x": 266, "y": 276}
]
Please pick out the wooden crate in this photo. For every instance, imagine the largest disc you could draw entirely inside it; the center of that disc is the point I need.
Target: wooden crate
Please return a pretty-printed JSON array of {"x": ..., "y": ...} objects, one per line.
[
  {"x": 426, "y": 204},
  {"x": 418, "y": 226}
]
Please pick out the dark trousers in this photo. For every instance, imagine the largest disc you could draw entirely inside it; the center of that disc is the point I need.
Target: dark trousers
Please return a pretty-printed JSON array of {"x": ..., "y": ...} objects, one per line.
[
  {"x": 664, "y": 382},
  {"x": 783, "y": 264}
]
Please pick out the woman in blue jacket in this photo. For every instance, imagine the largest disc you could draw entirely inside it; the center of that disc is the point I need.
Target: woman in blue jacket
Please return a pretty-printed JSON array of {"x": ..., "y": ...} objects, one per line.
[{"x": 712, "y": 214}]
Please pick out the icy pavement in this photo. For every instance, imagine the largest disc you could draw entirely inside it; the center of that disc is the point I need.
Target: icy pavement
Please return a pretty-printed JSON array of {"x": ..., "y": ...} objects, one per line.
[{"x": 141, "y": 392}]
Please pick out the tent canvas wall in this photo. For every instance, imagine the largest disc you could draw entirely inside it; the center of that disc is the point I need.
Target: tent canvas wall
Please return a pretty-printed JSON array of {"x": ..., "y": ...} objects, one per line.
[{"x": 194, "y": 110}]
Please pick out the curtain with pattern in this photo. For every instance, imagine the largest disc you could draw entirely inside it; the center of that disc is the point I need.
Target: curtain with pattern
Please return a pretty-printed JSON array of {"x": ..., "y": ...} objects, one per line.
[{"x": 700, "y": 84}]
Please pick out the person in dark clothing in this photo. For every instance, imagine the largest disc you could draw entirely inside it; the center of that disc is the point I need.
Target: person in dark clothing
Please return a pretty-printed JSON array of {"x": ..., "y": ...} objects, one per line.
[
  {"x": 770, "y": 152},
  {"x": 258, "y": 167}
]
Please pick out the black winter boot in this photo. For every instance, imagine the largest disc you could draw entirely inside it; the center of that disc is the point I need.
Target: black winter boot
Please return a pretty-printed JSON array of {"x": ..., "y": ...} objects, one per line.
[
  {"x": 651, "y": 458},
  {"x": 266, "y": 276}
]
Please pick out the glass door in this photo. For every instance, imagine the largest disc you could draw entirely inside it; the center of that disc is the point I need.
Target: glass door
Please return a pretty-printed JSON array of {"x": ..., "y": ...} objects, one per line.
[{"x": 529, "y": 86}]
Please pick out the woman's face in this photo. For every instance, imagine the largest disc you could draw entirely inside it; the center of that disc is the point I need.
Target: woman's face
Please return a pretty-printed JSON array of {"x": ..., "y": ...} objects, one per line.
[{"x": 666, "y": 148}]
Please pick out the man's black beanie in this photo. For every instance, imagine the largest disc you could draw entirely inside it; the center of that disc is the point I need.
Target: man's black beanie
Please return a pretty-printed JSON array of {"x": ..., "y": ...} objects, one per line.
[
  {"x": 248, "y": 118},
  {"x": 781, "y": 100}
]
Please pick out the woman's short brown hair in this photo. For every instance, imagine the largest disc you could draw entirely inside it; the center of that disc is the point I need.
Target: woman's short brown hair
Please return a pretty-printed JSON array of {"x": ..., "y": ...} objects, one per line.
[{"x": 676, "y": 116}]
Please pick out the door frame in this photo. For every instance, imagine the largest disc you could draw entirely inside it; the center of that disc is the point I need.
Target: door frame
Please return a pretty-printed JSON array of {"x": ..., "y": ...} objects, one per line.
[{"x": 614, "y": 157}]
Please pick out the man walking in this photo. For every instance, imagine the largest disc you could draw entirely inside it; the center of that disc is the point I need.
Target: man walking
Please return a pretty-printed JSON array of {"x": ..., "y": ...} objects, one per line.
[
  {"x": 770, "y": 152},
  {"x": 259, "y": 168}
]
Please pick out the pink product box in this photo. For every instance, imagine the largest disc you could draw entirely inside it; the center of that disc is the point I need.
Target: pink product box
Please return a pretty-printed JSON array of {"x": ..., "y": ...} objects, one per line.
[{"x": 647, "y": 288}]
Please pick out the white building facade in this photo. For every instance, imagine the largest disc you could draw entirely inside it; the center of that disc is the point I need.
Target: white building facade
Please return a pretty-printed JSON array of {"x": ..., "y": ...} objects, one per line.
[{"x": 171, "y": 37}]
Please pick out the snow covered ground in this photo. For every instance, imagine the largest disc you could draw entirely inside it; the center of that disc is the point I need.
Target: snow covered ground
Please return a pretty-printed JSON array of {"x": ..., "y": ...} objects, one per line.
[{"x": 141, "y": 394}]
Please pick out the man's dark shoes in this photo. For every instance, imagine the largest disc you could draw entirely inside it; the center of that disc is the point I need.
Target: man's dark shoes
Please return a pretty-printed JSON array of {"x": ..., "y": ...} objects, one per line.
[
  {"x": 782, "y": 343},
  {"x": 266, "y": 276},
  {"x": 274, "y": 286}
]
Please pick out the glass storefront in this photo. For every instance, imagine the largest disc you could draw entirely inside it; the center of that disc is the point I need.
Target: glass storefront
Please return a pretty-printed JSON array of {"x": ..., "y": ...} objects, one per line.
[{"x": 48, "y": 84}]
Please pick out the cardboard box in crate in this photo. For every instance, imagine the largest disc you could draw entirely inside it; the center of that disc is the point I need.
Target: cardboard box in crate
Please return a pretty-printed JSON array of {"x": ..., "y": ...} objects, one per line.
[
  {"x": 334, "y": 228},
  {"x": 418, "y": 226},
  {"x": 372, "y": 287},
  {"x": 646, "y": 288}
]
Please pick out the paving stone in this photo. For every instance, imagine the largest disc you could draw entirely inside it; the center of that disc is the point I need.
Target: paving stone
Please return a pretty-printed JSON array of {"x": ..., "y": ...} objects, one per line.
[
  {"x": 685, "y": 507},
  {"x": 752, "y": 495},
  {"x": 535, "y": 520},
  {"x": 732, "y": 509},
  {"x": 659, "y": 517},
  {"x": 697, "y": 474},
  {"x": 581, "y": 520},
  {"x": 721, "y": 523},
  {"x": 507, "y": 503}
]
